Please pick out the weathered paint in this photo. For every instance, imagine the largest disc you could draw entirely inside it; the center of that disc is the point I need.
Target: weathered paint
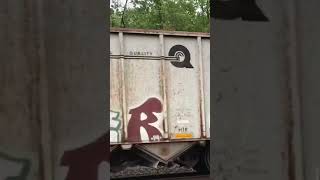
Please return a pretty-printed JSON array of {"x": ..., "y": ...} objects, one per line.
[
  {"x": 76, "y": 46},
  {"x": 160, "y": 100},
  {"x": 256, "y": 94},
  {"x": 307, "y": 53},
  {"x": 250, "y": 80},
  {"x": 20, "y": 60},
  {"x": 165, "y": 151},
  {"x": 183, "y": 88},
  {"x": 84, "y": 162},
  {"x": 141, "y": 86},
  {"x": 14, "y": 167},
  {"x": 52, "y": 89},
  {"x": 206, "y": 84}
]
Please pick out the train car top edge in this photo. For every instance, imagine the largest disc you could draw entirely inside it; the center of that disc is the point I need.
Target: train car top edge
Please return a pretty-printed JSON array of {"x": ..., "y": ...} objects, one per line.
[{"x": 159, "y": 32}]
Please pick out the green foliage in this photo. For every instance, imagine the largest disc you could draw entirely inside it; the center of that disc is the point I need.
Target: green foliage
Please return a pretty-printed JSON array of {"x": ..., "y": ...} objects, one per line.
[{"x": 177, "y": 15}]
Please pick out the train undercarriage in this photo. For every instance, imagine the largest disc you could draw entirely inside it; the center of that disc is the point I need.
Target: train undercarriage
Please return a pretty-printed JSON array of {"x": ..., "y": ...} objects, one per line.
[{"x": 194, "y": 155}]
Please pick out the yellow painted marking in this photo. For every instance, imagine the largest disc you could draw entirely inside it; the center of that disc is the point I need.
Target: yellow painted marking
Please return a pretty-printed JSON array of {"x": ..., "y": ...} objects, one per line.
[{"x": 183, "y": 135}]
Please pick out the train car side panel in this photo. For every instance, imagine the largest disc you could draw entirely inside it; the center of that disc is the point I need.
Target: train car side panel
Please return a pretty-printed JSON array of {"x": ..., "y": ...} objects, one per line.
[
  {"x": 116, "y": 114},
  {"x": 183, "y": 88},
  {"x": 143, "y": 94}
]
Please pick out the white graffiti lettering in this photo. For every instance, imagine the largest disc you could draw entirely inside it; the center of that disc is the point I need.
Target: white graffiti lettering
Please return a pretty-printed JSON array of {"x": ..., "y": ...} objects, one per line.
[{"x": 115, "y": 124}]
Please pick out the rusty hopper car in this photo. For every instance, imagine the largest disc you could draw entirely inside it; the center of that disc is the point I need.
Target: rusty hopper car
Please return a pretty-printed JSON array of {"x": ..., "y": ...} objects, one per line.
[{"x": 160, "y": 97}]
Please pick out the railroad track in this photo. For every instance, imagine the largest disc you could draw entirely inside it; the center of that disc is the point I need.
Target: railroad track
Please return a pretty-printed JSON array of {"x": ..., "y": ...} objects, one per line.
[
  {"x": 191, "y": 176},
  {"x": 196, "y": 177}
]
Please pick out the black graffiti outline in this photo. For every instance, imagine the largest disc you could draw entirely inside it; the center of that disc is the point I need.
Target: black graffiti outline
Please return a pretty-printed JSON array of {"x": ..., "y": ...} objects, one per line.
[
  {"x": 247, "y": 10},
  {"x": 26, "y": 166},
  {"x": 178, "y": 51}
]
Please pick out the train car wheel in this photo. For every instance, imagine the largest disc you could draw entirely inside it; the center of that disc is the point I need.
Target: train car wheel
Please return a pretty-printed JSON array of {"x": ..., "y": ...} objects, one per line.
[{"x": 204, "y": 163}]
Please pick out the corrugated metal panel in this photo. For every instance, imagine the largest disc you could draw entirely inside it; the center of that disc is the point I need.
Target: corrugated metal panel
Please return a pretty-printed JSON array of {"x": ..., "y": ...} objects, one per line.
[
  {"x": 143, "y": 85},
  {"x": 183, "y": 90},
  {"x": 173, "y": 91}
]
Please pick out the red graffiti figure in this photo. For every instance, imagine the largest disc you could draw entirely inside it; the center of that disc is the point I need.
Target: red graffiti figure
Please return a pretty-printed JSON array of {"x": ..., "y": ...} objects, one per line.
[
  {"x": 152, "y": 105},
  {"x": 83, "y": 162}
]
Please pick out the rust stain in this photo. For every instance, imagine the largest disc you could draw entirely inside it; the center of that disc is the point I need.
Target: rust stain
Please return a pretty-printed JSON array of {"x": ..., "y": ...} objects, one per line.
[
  {"x": 201, "y": 88},
  {"x": 163, "y": 86},
  {"x": 164, "y": 151}
]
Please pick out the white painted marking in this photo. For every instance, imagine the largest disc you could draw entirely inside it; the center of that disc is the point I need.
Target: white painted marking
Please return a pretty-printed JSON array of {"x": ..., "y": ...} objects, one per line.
[
  {"x": 158, "y": 124},
  {"x": 143, "y": 116},
  {"x": 183, "y": 121},
  {"x": 113, "y": 123},
  {"x": 144, "y": 134},
  {"x": 114, "y": 136}
]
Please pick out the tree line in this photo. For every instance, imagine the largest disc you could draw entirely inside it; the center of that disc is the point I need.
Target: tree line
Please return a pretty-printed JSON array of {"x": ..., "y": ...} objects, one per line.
[{"x": 173, "y": 15}]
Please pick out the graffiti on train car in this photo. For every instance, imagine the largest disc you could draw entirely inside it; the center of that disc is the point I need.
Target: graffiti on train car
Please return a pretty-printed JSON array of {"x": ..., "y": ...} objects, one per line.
[
  {"x": 142, "y": 117},
  {"x": 13, "y": 167},
  {"x": 84, "y": 162},
  {"x": 115, "y": 124}
]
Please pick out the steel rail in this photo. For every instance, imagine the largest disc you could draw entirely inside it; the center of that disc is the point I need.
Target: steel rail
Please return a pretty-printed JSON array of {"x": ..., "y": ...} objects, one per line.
[{"x": 191, "y": 176}]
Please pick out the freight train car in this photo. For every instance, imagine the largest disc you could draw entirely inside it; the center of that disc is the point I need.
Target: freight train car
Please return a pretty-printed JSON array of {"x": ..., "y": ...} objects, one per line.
[{"x": 160, "y": 97}]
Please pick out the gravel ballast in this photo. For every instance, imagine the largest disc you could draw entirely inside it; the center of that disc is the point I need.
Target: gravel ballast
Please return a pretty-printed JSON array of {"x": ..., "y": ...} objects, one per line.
[{"x": 148, "y": 171}]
